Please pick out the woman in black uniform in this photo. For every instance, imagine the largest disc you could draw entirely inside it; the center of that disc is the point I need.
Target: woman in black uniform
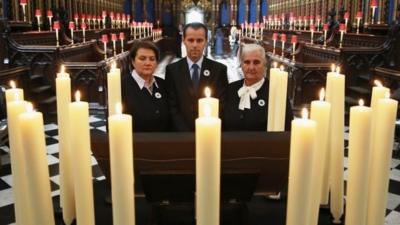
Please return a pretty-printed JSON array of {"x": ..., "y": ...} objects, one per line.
[
  {"x": 143, "y": 94},
  {"x": 246, "y": 103}
]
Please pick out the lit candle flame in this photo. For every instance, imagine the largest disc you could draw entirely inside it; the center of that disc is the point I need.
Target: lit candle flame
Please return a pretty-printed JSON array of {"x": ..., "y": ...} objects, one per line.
[
  {"x": 338, "y": 70},
  {"x": 207, "y": 110},
  {"x": 62, "y": 69},
  {"x": 333, "y": 67},
  {"x": 12, "y": 84},
  {"x": 114, "y": 66},
  {"x": 29, "y": 107},
  {"x": 207, "y": 92},
  {"x": 378, "y": 83},
  {"x": 304, "y": 113},
  {"x": 275, "y": 65},
  {"x": 282, "y": 68},
  {"x": 77, "y": 96},
  {"x": 118, "y": 108},
  {"x": 322, "y": 94},
  {"x": 361, "y": 102}
]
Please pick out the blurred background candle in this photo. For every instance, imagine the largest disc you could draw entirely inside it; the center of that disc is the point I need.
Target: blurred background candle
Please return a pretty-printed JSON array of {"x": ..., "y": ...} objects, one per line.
[
  {"x": 113, "y": 88},
  {"x": 82, "y": 167},
  {"x": 380, "y": 161},
  {"x": 208, "y": 168},
  {"x": 302, "y": 146},
  {"x": 335, "y": 95},
  {"x": 37, "y": 171},
  {"x": 209, "y": 101},
  {"x": 359, "y": 148},
  {"x": 67, "y": 196},
  {"x": 121, "y": 160},
  {"x": 320, "y": 113}
]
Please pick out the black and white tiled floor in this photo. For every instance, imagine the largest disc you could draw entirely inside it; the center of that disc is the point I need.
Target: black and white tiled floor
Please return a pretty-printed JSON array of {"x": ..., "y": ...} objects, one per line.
[{"x": 6, "y": 181}]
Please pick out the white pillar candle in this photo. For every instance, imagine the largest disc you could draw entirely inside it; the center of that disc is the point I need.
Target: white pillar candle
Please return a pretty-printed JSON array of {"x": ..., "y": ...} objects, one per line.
[
  {"x": 121, "y": 163},
  {"x": 14, "y": 93},
  {"x": 17, "y": 156},
  {"x": 208, "y": 168},
  {"x": 335, "y": 85},
  {"x": 82, "y": 169},
  {"x": 277, "y": 98},
  {"x": 320, "y": 113},
  {"x": 359, "y": 148},
  {"x": 302, "y": 146},
  {"x": 381, "y": 157},
  {"x": 113, "y": 88},
  {"x": 208, "y": 101},
  {"x": 37, "y": 171},
  {"x": 67, "y": 197}
]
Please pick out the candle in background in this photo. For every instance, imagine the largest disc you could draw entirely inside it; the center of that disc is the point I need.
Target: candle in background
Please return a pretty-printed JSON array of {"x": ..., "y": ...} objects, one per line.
[
  {"x": 325, "y": 29},
  {"x": 56, "y": 26},
  {"x": 114, "y": 40},
  {"x": 23, "y": 3},
  {"x": 209, "y": 101},
  {"x": 381, "y": 150},
  {"x": 50, "y": 17},
  {"x": 121, "y": 164},
  {"x": 208, "y": 168},
  {"x": 277, "y": 98},
  {"x": 38, "y": 14},
  {"x": 274, "y": 38},
  {"x": 335, "y": 84},
  {"x": 359, "y": 16},
  {"x": 36, "y": 170},
  {"x": 14, "y": 93},
  {"x": 320, "y": 113},
  {"x": 294, "y": 42},
  {"x": 302, "y": 146},
  {"x": 283, "y": 40},
  {"x": 104, "y": 39},
  {"x": 359, "y": 148},
  {"x": 67, "y": 198},
  {"x": 122, "y": 38},
  {"x": 82, "y": 169},
  {"x": 374, "y": 5},
  {"x": 312, "y": 29},
  {"x": 16, "y": 107},
  {"x": 72, "y": 27},
  {"x": 83, "y": 27},
  {"x": 113, "y": 87}
]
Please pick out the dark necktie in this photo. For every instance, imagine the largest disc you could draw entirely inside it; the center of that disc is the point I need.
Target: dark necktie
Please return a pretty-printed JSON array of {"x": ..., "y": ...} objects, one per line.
[{"x": 195, "y": 76}]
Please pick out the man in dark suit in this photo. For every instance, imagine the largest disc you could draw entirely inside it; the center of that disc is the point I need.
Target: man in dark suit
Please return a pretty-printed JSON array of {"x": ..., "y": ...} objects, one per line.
[{"x": 187, "y": 78}]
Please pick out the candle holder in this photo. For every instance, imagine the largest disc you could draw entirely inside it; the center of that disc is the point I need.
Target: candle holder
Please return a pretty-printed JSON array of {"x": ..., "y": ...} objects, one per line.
[
  {"x": 283, "y": 50},
  {"x": 104, "y": 39},
  {"x": 72, "y": 27},
  {"x": 294, "y": 42},
  {"x": 38, "y": 14},
  {"x": 318, "y": 18},
  {"x": 76, "y": 18},
  {"x": 325, "y": 28},
  {"x": 23, "y": 3},
  {"x": 342, "y": 29},
  {"x": 83, "y": 27},
  {"x": 359, "y": 16},
  {"x": 122, "y": 37},
  {"x": 274, "y": 38},
  {"x": 312, "y": 29},
  {"x": 56, "y": 27},
  {"x": 114, "y": 39}
]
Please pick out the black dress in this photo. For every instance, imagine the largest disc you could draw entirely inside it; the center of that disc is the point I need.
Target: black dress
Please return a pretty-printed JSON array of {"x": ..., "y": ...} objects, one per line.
[
  {"x": 149, "y": 112},
  {"x": 254, "y": 119}
]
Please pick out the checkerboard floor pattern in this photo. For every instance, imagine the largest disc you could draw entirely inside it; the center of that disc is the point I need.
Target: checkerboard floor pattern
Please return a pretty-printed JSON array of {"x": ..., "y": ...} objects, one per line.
[{"x": 96, "y": 122}]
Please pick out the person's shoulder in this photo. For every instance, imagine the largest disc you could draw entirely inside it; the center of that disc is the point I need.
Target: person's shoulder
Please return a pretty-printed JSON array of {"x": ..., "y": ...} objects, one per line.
[
  {"x": 214, "y": 63},
  {"x": 177, "y": 63},
  {"x": 236, "y": 84}
]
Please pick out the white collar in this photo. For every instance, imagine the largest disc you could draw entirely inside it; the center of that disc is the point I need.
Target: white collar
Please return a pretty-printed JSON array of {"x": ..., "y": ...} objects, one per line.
[
  {"x": 140, "y": 81},
  {"x": 190, "y": 62},
  {"x": 247, "y": 92}
]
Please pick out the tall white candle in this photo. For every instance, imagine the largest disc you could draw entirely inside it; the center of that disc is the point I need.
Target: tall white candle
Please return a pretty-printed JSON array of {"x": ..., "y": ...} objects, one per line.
[
  {"x": 67, "y": 197},
  {"x": 335, "y": 95},
  {"x": 211, "y": 102},
  {"x": 121, "y": 160},
  {"x": 359, "y": 148},
  {"x": 302, "y": 146},
  {"x": 208, "y": 168},
  {"x": 17, "y": 156},
  {"x": 37, "y": 171},
  {"x": 320, "y": 113},
  {"x": 113, "y": 88},
  {"x": 14, "y": 93},
  {"x": 82, "y": 169},
  {"x": 277, "y": 100},
  {"x": 380, "y": 161}
]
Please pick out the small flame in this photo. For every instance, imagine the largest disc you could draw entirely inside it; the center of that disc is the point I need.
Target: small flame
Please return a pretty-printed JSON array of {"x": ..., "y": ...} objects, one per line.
[
  {"x": 12, "y": 84},
  {"x": 322, "y": 94},
  {"x": 118, "y": 108},
  {"x": 114, "y": 66},
  {"x": 29, "y": 107},
  {"x": 304, "y": 113},
  {"x": 207, "y": 110},
  {"x": 338, "y": 70},
  {"x": 207, "y": 92},
  {"x": 275, "y": 65},
  {"x": 282, "y": 68},
  {"x": 333, "y": 67},
  {"x": 361, "y": 102},
  {"x": 77, "y": 96},
  {"x": 378, "y": 83},
  {"x": 62, "y": 69}
]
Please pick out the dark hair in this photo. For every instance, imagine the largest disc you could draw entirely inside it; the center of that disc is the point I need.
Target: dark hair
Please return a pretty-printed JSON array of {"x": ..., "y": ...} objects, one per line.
[
  {"x": 195, "y": 26},
  {"x": 146, "y": 45}
]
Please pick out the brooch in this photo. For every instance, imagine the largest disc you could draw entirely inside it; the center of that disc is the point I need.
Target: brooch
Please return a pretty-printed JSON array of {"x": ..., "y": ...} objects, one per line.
[
  {"x": 157, "y": 95},
  {"x": 206, "y": 73},
  {"x": 261, "y": 102}
]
